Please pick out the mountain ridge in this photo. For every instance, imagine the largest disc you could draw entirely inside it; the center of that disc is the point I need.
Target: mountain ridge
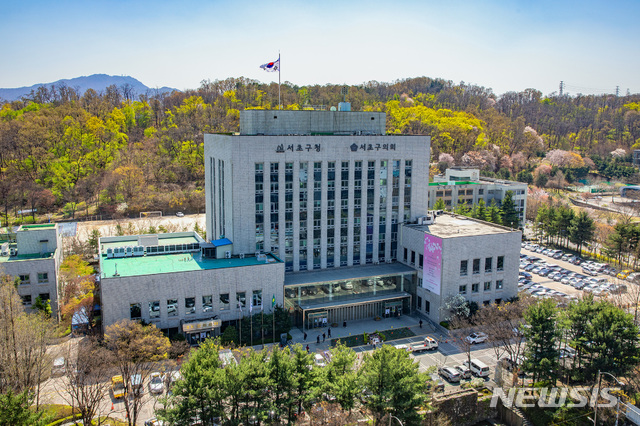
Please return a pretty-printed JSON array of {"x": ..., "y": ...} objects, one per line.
[{"x": 97, "y": 82}]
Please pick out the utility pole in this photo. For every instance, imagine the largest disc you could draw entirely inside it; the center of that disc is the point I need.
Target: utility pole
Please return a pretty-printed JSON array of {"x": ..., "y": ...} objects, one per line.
[
  {"x": 561, "y": 87},
  {"x": 617, "y": 91}
]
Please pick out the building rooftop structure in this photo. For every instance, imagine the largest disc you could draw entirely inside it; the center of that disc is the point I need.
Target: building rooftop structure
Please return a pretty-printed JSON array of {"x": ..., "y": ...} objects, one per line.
[
  {"x": 454, "y": 226},
  {"x": 163, "y": 254}
]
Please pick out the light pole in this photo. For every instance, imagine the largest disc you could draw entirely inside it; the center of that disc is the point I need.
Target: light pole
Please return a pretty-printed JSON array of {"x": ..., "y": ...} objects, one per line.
[{"x": 595, "y": 409}]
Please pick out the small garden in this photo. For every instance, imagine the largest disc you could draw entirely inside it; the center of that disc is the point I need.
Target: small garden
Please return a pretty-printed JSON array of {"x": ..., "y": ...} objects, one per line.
[{"x": 363, "y": 339}]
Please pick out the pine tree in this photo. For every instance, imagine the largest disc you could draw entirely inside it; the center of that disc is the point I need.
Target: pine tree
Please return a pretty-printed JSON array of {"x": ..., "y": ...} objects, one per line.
[
  {"x": 581, "y": 230},
  {"x": 509, "y": 213},
  {"x": 494, "y": 213}
]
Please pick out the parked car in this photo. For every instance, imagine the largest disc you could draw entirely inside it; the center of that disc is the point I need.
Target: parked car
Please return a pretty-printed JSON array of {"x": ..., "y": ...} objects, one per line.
[
  {"x": 465, "y": 372},
  {"x": 624, "y": 274},
  {"x": 525, "y": 274},
  {"x": 180, "y": 214},
  {"x": 449, "y": 373},
  {"x": 567, "y": 352},
  {"x": 156, "y": 384},
  {"x": 438, "y": 385},
  {"x": 477, "y": 337}
]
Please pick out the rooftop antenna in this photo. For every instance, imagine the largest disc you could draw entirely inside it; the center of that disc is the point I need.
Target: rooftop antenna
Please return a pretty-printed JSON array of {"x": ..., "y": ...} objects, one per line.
[
  {"x": 116, "y": 273},
  {"x": 344, "y": 90}
]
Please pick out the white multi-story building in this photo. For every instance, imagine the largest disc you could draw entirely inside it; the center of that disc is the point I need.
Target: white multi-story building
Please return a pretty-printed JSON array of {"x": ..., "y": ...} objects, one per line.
[
  {"x": 324, "y": 191},
  {"x": 465, "y": 185},
  {"x": 33, "y": 255},
  {"x": 459, "y": 255}
]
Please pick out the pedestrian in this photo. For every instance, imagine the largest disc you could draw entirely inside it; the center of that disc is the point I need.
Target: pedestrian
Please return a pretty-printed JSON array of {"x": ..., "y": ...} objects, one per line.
[
  {"x": 307, "y": 348},
  {"x": 329, "y": 332},
  {"x": 323, "y": 337},
  {"x": 344, "y": 324},
  {"x": 318, "y": 338},
  {"x": 305, "y": 335},
  {"x": 418, "y": 323}
]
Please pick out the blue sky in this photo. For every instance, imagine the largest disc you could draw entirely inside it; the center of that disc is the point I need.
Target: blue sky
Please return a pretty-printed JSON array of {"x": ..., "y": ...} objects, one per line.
[{"x": 509, "y": 45}]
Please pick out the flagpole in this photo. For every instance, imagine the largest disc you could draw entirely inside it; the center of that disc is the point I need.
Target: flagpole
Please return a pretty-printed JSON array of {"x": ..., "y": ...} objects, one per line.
[
  {"x": 279, "y": 66},
  {"x": 262, "y": 324},
  {"x": 251, "y": 319}
]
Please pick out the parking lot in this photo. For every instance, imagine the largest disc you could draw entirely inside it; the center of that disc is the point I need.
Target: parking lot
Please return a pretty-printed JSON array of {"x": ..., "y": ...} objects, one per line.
[{"x": 564, "y": 279}]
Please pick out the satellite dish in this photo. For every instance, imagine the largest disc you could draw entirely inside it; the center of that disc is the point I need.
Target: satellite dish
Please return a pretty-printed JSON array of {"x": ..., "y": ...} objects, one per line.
[{"x": 333, "y": 108}]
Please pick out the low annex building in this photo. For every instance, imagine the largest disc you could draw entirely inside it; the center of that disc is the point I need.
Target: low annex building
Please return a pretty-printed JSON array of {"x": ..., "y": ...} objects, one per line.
[
  {"x": 183, "y": 284},
  {"x": 458, "y": 255},
  {"x": 33, "y": 254}
]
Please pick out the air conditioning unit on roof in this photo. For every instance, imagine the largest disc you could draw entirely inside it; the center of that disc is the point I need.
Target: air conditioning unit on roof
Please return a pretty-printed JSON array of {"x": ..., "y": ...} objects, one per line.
[{"x": 227, "y": 255}]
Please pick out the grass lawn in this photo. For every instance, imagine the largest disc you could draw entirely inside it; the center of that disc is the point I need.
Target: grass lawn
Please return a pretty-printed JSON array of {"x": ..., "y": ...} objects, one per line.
[{"x": 358, "y": 340}]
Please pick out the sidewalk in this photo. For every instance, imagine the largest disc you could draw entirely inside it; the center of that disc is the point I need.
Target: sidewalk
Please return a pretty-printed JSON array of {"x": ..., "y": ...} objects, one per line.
[{"x": 357, "y": 327}]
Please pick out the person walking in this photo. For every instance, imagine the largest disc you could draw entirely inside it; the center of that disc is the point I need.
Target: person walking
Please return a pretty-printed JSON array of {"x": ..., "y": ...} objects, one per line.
[
  {"x": 318, "y": 340},
  {"x": 307, "y": 348},
  {"x": 329, "y": 332},
  {"x": 418, "y": 323},
  {"x": 323, "y": 337},
  {"x": 305, "y": 335},
  {"x": 344, "y": 324}
]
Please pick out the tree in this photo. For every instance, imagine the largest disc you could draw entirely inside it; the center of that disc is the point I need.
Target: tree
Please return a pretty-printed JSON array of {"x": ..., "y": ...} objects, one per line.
[
  {"x": 494, "y": 213},
  {"x": 86, "y": 380},
  {"x": 541, "y": 350},
  {"x": 136, "y": 350},
  {"x": 395, "y": 383},
  {"x": 439, "y": 205},
  {"x": 581, "y": 230},
  {"x": 481, "y": 211},
  {"x": 340, "y": 377},
  {"x": 23, "y": 342},
  {"x": 509, "y": 213},
  {"x": 201, "y": 390},
  {"x": 461, "y": 326},
  {"x": 305, "y": 377},
  {"x": 16, "y": 410},
  {"x": 281, "y": 382}
]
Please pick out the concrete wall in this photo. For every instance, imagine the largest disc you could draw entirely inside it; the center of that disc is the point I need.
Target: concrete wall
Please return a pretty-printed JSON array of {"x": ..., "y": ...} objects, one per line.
[
  {"x": 270, "y": 122},
  {"x": 118, "y": 293}
]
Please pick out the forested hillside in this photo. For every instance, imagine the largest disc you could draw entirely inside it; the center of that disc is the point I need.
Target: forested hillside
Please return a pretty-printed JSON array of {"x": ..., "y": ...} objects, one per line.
[{"x": 108, "y": 153}]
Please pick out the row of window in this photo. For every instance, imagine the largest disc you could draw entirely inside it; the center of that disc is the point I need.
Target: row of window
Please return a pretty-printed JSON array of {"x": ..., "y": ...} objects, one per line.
[
  {"x": 475, "y": 287},
  {"x": 488, "y": 266},
  {"x": 43, "y": 278},
  {"x": 173, "y": 306}
]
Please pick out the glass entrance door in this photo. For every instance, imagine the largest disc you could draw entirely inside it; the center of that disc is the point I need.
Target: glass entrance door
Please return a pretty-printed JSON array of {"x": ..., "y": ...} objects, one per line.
[{"x": 317, "y": 319}]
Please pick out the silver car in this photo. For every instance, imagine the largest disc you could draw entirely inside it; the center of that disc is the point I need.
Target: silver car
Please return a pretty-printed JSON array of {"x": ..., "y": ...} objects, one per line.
[{"x": 449, "y": 373}]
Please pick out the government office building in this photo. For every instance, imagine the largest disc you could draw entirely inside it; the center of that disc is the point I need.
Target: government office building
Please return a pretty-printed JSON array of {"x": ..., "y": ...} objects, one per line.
[{"x": 326, "y": 192}]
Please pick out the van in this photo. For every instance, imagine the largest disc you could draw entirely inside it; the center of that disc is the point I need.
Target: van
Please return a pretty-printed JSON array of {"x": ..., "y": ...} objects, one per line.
[{"x": 478, "y": 367}]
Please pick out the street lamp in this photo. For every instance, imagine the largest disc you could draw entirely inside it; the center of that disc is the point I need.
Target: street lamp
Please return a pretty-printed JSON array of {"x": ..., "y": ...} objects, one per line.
[{"x": 595, "y": 410}]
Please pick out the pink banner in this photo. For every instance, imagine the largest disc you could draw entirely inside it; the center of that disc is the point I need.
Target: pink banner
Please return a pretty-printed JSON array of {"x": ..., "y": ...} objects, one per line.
[{"x": 432, "y": 269}]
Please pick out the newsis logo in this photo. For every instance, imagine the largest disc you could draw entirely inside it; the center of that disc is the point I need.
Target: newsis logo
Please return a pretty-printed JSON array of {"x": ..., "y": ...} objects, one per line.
[{"x": 554, "y": 397}]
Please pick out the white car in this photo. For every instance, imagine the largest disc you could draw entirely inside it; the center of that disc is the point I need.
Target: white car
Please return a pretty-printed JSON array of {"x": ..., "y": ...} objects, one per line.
[
  {"x": 477, "y": 337},
  {"x": 156, "y": 384},
  {"x": 180, "y": 214},
  {"x": 319, "y": 360}
]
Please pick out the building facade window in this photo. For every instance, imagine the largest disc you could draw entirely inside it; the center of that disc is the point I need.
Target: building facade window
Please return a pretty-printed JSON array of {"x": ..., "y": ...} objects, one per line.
[
  {"x": 256, "y": 299},
  {"x": 419, "y": 301},
  {"x": 207, "y": 303},
  {"x": 43, "y": 278},
  {"x": 190, "y": 305},
  {"x": 26, "y": 300},
  {"x": 487, "y": 286},
  {"x": 500, "y": 264},
  {"x": 135, "y": 311},
  {"x": 475, "y": 288},
  {"x": 427, "y": 306},
  {"x": 463, "y": 267},
  {"x": 499, "y": 284},
  {"x": 241, "y": 299},
  {"x": 154, "y": 309},
  {"x": 172, "y": 307},
  {"x": 24, "y": 279},
  {"x": 488, "y": 264},
  {"x": 224, "y": 301},
  {"x": 476, "y": 266},
  {"x": 462, "y": 289}
]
